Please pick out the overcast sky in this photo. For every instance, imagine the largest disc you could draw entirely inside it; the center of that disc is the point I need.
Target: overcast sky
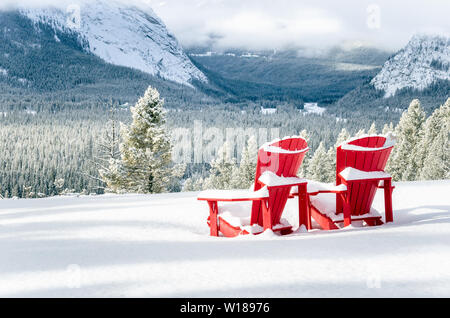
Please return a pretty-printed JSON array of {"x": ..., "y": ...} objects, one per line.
[
  {"x": 276, "y": 24},
  {"x": 280, "y": 23}
]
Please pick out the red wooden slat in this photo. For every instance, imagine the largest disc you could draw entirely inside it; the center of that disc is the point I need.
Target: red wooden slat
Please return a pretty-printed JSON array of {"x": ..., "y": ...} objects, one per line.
[
  {"x": 359, "y": 198},
  {"x": 283, "y": 198},
  {"x": 288, "y": 171},
  {"x": 383, "y": 158},
  {"x": 362, "y": 142},
  {"x": 283, "y": 161},
  {"x": 388, "y": 153},
  {"x": 373, "y": 142},
  {"x": 340, "y": 161},
  {"x": 381, "y": 142},
  {"x": 371, "y": 196},
  {"x": 292, "y": 160},
  {"x": 375, "y": 161},
  {"x": 301, "y": 144},
  {"x": 263, "y": 165},
  {"x": 291, "y": 169},
  {"x": 354, "y": 192},
  {"x": 365, "y": 197},
  {"x": 368, "y": 162},
  {"x": 350, "y": 159}
]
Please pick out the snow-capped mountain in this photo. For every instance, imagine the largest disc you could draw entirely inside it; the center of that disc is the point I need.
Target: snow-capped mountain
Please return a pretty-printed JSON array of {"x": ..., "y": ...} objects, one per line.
[
  {"x": 122, "y": 35},
  {"x": 423, "y": 61}
]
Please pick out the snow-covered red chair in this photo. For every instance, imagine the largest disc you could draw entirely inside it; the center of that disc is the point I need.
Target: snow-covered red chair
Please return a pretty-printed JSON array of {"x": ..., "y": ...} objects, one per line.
[
  {"x": 360, "y": 165},
  {"x": 276, "y": 174}
]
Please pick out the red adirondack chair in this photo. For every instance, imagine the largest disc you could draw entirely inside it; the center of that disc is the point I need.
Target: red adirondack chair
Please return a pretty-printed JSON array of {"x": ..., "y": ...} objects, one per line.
[
  {"x": 359, "y": 173},
  {"x": 276, "y": 174}
]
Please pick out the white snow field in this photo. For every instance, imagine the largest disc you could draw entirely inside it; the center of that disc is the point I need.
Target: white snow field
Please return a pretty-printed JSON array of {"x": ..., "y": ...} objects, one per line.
[{"x": 158, "y": 246}]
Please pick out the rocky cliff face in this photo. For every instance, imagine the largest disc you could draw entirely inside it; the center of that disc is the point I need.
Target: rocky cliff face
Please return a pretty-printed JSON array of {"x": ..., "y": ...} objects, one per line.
[
  {"x": 423, "y": 61},
  {"x": 122, "y": 35}
]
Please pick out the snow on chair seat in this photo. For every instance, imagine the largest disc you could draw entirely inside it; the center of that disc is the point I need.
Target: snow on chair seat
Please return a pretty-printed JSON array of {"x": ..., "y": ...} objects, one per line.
[
  {"x": 233, "y": 195},
  {"x": 276, "y": 173},
  {"x": 270, "y": 179},
  {"x": 360, "y": 167},
  {"x": 352, "y": 174},
  {"x": 237, "y": 218},
  {"x": 315, "y": 187},
  {"x": 326, "y": 204}
]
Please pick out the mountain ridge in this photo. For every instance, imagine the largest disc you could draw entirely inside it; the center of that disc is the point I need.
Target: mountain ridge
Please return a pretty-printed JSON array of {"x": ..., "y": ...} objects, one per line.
[
  {"x": 123, "y": 35},
  {"x": 423, "y": 61}
]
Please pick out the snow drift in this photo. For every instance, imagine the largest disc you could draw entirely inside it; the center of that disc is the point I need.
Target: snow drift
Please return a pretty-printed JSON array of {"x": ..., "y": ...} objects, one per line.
[{"x": 159, "y": 246}]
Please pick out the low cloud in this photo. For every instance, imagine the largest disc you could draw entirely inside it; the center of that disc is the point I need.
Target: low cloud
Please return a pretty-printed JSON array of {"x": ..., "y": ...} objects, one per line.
[{"x": 269, "y": 24}]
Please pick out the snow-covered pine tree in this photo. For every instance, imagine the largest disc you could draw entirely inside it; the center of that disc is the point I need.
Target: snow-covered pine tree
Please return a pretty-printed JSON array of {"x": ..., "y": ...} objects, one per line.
[
  {"x": 108, "y": 153},
  {"x": 388, "y": 129},
  {"x": 223, "y": 170},
  {"x": 194, "y": 183},
  {"x": 437, "y": 162},
  {"x": 320, "y": 166},
  {"x": 331, "y": 163},
  {"x": 303, "y": 173},
  {"x": 108, "y": 146},
  {"x": 404, "y": 165},
  {"x": 146, "y": 161},
  {"x": 245, "y": 176},
  {"x": 373, "y": 129},
  {"x": 360, "y": 133},
  {"x": 435, "y": 149},
  {"x": 342, "y": 137}
]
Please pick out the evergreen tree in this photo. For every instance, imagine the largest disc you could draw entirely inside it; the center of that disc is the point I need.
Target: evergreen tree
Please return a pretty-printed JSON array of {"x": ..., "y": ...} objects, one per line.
[
  {"x": 331, "y": 164},
  {"x": 245, "y": 176},
  {"x": 223, "y": 170},
  {"x": 108, "y": 153},
  {"x": 373, "y": 130},
  {"x": 145, "y": 165},
  {"x": 320, "y": 166},
  {"x": 194, "y": 183},
  {"x": 437, "y": 162},
  {"x": 303, "y": 173},
  {"x": 388, "y": 129},
  {"x": 360, "y": 133},
  {"x": 332, "y": 153},
  {"x": 434, "y": 148},
  {"x": 108, "y": 146},
  {"x": 404, "y": 165}
]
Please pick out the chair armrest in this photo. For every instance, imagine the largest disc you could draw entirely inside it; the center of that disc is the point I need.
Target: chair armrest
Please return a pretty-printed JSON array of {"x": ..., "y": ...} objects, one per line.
[
  {"x": 352, "y": 174},
  {"x": 316, "y": 188},
  {"x": 233, "y": 195}
]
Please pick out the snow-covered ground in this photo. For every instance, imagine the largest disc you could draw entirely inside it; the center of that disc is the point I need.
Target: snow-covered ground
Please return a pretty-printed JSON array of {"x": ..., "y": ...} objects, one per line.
[
  {"x": 158, "y": 246},
  {"x": 313, "y": 108}
]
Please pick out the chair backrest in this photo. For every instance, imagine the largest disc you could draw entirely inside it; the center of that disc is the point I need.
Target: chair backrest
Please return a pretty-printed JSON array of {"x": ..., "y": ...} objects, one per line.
[
  {"x": 284, "y": 158},
  {"x": 366, "y": 154}
]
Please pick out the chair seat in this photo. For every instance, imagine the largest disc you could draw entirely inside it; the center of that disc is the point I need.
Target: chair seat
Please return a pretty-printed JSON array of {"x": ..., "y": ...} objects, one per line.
[
  {"x": 235, "y": 219},
  {"x": 315, "y": 188},
  {"x": 270, "y": 179},
  {"x": 239, "y": 216},
  {"x": 352, "y": 174},
  {"x": 326, "y": 204},
  {"x": 233, "y": 195}
]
